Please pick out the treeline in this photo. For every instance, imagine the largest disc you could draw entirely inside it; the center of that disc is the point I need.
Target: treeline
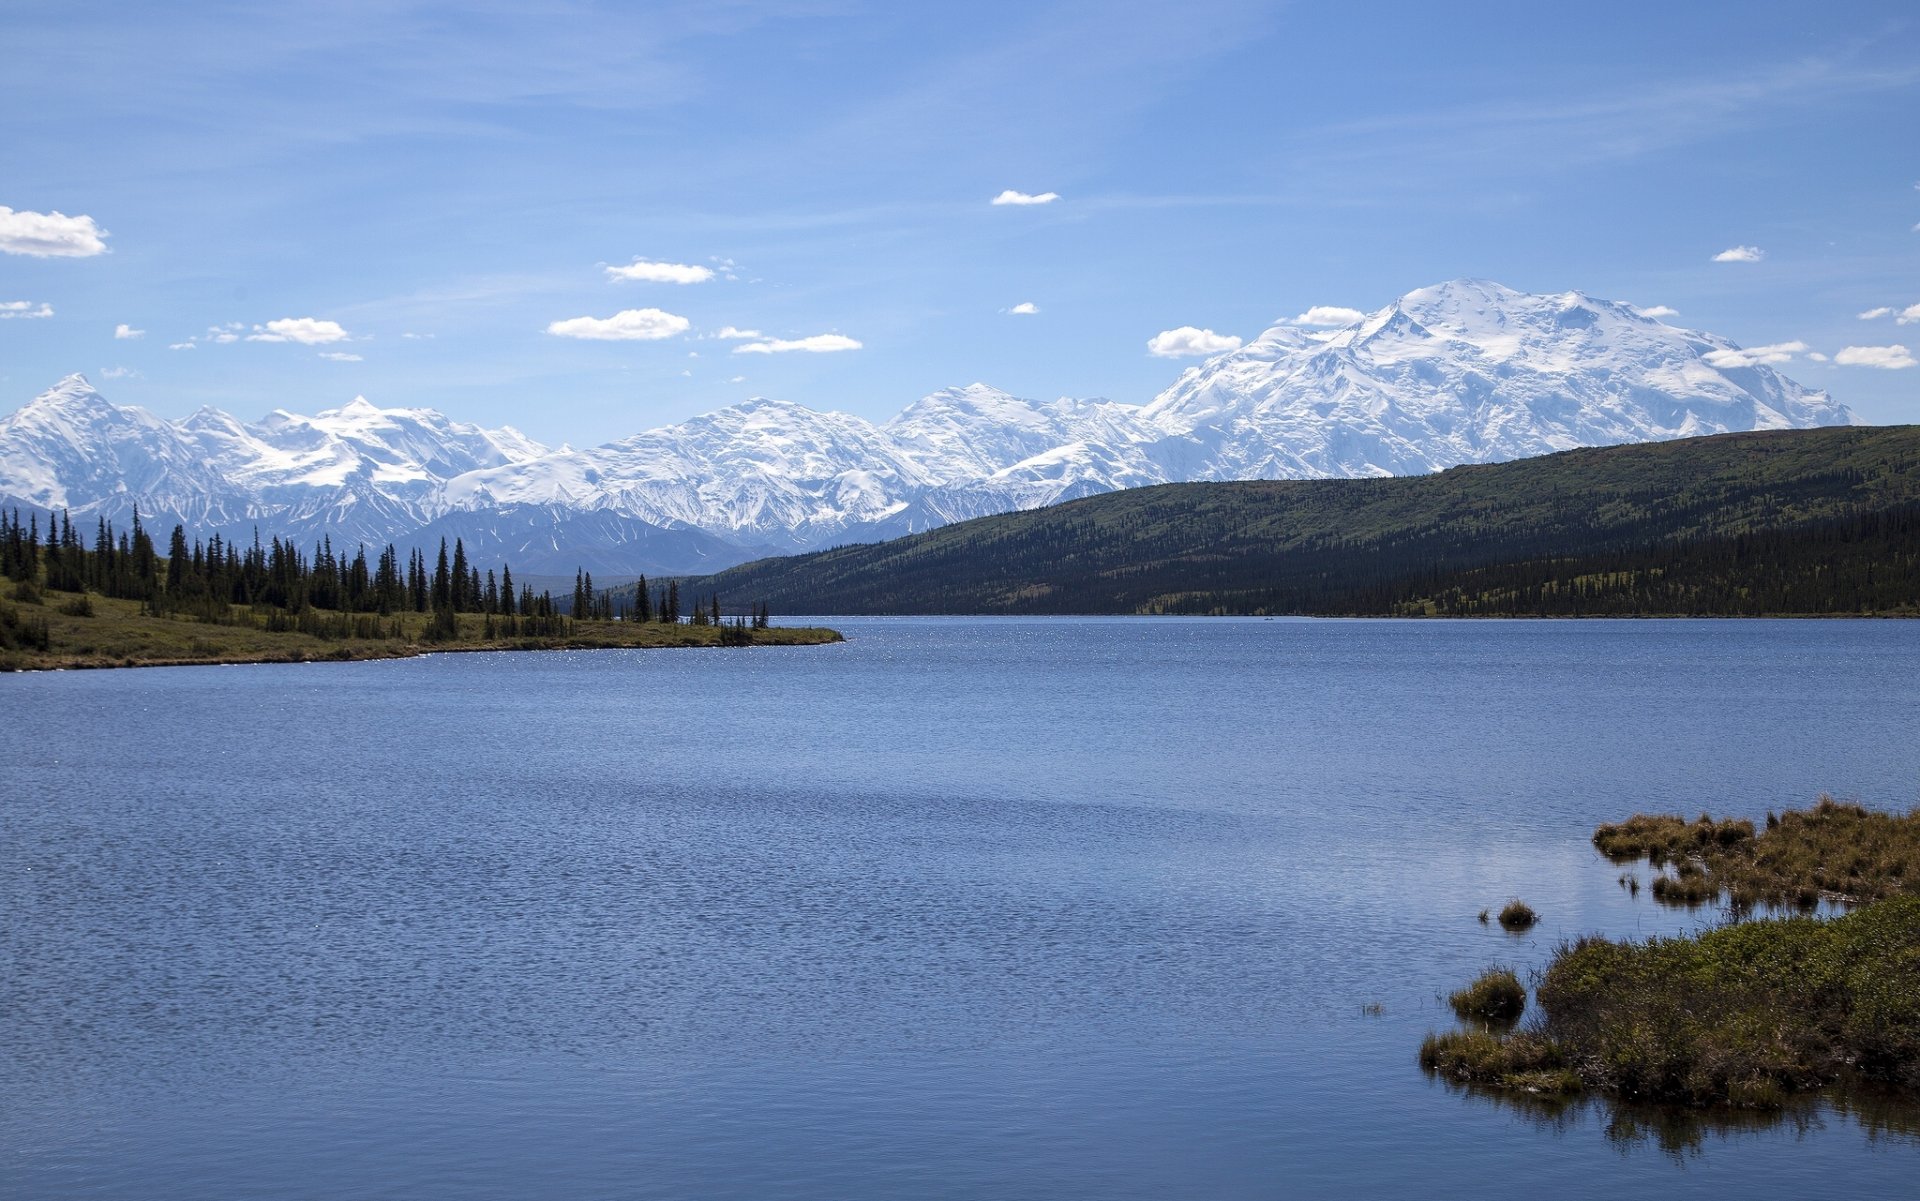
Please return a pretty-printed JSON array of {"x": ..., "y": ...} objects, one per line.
[
  {"x": 639, "y": 602},
  {"x": 325, "y": 593},
  {"x": 1780, "y": 522},
  {"x": 1869, "y": 563}
]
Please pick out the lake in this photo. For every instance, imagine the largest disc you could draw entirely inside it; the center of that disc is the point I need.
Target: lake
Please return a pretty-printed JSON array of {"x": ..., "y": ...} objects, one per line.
[{"x": 1005, "y": 908}]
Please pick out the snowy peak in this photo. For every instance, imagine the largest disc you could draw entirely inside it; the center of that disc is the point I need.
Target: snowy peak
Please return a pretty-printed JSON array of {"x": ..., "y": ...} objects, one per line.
[
  {"x": 1470, "y": 371},
  {"x": 1464, "y": 371}
]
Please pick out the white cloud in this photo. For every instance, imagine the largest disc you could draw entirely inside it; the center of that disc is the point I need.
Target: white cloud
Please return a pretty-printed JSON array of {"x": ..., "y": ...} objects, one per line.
[
  {"x": 1890, "y": 357},
  {"x": 1875, "y": 314},
  {"x": 1755, "y": 356},
  {"x": 1188, "y": 341},
  {"x": 1327, "y": 314},
  {"x": 1816, "y": 356},
  {"x": 1012, "y": 197},
  {"x": 738, "y": 379},
  {"x": 1908, "y": 315},
  {"x": 1658, "y": 311},
  {"x": 50, "y": 235},
  {"x": 119, "y": 373},
  {"x": 1025, "y": 308},
  {"x": 413, "y": 337},
  {"x": 340, "y": 356},
  {"x": 1740, "y": 254},
  {"x": 123, "y": 331},
  {"x": 816, "y": 344},
  {"x": 187, "y": 345},
  {"x": 308, "y": 331},
  {"x": 23, "y": 310},
  {"x": 648, "y": 272},
  {"x": 728, "y": 331},
  {"x": 627, "y": 325}
]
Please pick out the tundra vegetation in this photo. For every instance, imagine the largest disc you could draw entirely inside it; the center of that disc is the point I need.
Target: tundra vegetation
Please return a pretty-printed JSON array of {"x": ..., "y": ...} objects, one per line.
[{"x": 1767, "y": 1007}]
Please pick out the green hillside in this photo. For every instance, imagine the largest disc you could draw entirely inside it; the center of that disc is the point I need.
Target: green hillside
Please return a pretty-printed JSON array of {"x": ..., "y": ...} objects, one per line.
[{"x": 1820, "y": 521}]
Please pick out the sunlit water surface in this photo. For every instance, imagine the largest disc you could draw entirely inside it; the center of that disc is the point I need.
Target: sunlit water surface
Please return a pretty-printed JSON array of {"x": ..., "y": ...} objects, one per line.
[{"x": 960, "y": 908}]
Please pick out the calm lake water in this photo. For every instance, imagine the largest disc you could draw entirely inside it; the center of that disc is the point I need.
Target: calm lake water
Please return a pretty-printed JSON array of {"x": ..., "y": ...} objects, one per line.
[{"x": 961, "y": 908}]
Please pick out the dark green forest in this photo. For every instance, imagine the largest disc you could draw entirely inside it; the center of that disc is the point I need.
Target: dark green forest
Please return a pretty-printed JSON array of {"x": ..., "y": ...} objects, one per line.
[
  {"x": 276, "y": 588},
  {"x": 1802, "y": 522}
]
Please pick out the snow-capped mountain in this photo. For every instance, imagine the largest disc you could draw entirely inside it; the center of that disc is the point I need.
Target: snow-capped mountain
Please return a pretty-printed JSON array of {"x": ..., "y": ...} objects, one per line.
[
  {"x": 1470, "y": 372},
  {"x": 1461, "y": 372}
]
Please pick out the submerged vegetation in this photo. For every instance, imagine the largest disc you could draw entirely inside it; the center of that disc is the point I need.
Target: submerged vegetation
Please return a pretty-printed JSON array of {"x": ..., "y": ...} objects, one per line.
[
  {"x": 1750, "y": 1014},
  {"x": 118, "y": 603}
]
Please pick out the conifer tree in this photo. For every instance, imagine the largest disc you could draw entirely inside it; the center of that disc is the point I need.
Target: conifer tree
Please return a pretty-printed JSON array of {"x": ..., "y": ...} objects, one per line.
[{"x": 442, "y": 580}]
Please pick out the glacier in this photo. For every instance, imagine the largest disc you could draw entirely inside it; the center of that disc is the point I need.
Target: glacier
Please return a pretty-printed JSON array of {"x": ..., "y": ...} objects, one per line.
[{"x": 1467, "y": 371}]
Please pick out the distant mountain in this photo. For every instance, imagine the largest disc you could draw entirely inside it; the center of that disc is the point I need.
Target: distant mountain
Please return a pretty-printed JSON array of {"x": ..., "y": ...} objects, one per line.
[
  {"x": 1775, "y": 522},
  {"x": 1464, "y": 372},
  {"x": 1469, "y": 372}
]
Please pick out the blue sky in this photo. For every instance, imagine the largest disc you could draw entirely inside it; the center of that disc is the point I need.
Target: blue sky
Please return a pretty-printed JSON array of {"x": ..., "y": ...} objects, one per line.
[{"x": 418, "y": 202}]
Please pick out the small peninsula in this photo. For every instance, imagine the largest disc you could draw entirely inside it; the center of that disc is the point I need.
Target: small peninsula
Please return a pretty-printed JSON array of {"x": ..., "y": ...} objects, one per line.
[
  {"x": 118, "y": 603},
  {"x": 1745, "y": 1015}
]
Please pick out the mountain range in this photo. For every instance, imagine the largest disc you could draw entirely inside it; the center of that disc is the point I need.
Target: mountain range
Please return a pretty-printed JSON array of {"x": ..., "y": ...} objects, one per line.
[{"x": 1462, "y": 372}]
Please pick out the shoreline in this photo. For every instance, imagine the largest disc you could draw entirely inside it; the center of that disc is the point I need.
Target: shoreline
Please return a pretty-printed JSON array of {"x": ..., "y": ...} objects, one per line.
[{"x": 801, "y": 636}]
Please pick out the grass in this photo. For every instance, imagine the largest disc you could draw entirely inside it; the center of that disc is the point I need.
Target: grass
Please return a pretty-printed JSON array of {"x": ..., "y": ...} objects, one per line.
[
  {"x": 1749, "y": 1015},
  {"x": 1834, "y": 851},
  {"x": 1497, "y": 998},
  {"x": 114, "y": 633},
  {"x": 1518, "y": 915}
]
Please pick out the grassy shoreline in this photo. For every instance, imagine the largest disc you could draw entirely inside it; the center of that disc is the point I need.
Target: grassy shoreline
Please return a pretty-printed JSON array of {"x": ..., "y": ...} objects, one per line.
[
  {"x": 116, "y": 634},
  {"x": 1750, "y": 1014}
]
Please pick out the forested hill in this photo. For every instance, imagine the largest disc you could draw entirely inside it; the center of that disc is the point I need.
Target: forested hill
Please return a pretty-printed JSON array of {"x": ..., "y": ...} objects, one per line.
[{"x": 1777, "y": 522}]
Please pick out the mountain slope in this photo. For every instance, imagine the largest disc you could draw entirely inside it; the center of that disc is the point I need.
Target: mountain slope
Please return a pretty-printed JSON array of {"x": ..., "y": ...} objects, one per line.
[
  {"x": 1379, "y": 545},
  {"x": 1470, "y": 372},
  {"x": 1462, "y": 372}
]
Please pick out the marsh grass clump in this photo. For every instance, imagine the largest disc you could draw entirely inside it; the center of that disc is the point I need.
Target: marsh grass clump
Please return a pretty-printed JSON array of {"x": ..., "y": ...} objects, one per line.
[
  {"x": 1663, "y": 838},
  {"x": 1524, "y": 1062},
  {"x": 1834, "y": 850},
  {"x": 1518, "y": 915},
  {"x": 1496, "y": 997},
  {"x": 1748, "y": 1015}
]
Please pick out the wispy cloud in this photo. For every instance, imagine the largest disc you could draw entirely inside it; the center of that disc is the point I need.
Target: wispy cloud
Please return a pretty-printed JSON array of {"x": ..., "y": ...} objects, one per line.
[
  {"x": 1755, "y": 356},
  {"x": 126, "y": 332},
  {"x": 1012, "y": 197},
  {"x": 728, "y": 331},
  {"x": 814, "y": 344},
  {"x": 1908, "y": 315},
  {"x": 1658, "y": 311},
  {"x": 1189, "y": 342},
  {"x": 1891, "y": 358},
  {"x": 1327, "y": 314},
  {"x": 647, "y": 271},
  {"x": 119, "y": 373},
  {"x": 50, "y": 235},
  {"x": 23, "y": 310},
  {"x": 1875, "y": 314},
  {"x": 1025, "y": 308},
  {"x": 340, "y": 356},
  {"x": 308, "y": 331},
  {"x": 627, "y": 325},
  {"x": 1740, "y": 254}
]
